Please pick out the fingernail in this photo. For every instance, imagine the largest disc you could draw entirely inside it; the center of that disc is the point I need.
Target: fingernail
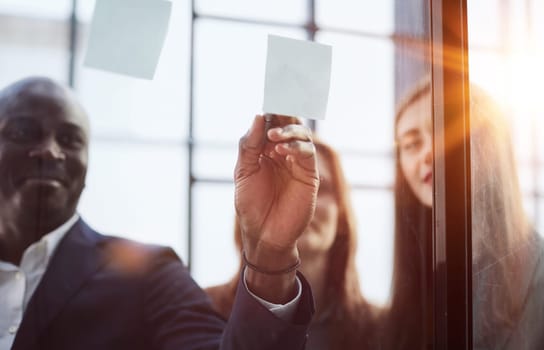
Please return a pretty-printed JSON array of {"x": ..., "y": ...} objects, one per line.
[{"x": 282, "y": 145}]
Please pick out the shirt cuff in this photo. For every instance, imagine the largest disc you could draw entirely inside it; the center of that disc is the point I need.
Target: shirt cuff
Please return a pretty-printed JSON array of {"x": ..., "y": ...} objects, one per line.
[{"x": 282, "y": 311}]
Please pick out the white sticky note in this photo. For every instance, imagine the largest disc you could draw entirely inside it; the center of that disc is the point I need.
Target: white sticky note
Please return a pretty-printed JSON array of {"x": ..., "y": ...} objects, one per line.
[
  {"x": 297, "y": 80},
  {"x": 127, "y": 36}
]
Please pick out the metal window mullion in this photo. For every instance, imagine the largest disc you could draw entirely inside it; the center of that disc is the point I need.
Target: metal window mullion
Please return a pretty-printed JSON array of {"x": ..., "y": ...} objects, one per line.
[
  {"x": 190, "y": 143},
  {"x": 311, "y": 30},
  {"x": 72, "y": 43},
  {"x": 452, "y": 236}
]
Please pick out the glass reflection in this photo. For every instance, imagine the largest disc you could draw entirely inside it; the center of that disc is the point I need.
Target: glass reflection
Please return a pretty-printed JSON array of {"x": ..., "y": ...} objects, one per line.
[
  {"x": 507, "y": 272},
  {"x": 409, "y": 321},
  {"x": 343, "y": 318},
  {"x": 508, "y": 301}
]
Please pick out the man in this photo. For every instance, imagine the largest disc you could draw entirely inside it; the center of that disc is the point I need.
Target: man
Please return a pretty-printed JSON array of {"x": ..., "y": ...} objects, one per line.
[{"x": 64, "y": 286}]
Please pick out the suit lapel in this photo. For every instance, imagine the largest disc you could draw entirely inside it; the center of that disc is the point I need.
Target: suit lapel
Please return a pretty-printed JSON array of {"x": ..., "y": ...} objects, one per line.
[{"x": 75, "y": 259}]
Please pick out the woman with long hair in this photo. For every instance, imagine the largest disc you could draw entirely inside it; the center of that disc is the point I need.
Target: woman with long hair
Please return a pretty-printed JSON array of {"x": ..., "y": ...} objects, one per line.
[
  {"x": 343, "y": 319},
  {"x": 508, "y": 272},
  {"x": 408, "y": 322}
]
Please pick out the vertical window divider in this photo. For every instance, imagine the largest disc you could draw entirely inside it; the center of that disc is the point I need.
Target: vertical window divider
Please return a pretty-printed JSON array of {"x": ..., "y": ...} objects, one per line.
[
  {"x": 311, "y": 29},
  {"x": 72, "y": 43},
  {"x": 190, "y": 140},
  {"x": 452, "y": 219}
]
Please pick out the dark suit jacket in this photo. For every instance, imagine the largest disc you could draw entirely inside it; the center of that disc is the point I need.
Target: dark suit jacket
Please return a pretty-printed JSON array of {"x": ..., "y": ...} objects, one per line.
[{"x": 105, "y": 293}]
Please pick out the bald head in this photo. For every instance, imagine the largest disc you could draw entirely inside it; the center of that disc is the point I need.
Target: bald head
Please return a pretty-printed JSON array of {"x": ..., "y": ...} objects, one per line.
[
  {"x": 44, "y": 135},
  {"x": 21, "y": 94}
]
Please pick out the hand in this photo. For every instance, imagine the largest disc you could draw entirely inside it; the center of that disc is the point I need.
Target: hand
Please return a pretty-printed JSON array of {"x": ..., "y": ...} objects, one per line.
[{"x": 276, "y": 180}]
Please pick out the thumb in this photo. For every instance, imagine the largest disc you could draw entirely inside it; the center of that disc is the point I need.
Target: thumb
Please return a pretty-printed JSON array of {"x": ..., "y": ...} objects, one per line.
[{"x": 251, "y": 146}]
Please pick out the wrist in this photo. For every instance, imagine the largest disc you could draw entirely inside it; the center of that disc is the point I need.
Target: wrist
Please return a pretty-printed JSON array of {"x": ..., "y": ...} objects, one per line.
[
  {"x": 261, "y": 270},
  {"x": 270, "y": 257},
  {"x": 277, "y": 287}
]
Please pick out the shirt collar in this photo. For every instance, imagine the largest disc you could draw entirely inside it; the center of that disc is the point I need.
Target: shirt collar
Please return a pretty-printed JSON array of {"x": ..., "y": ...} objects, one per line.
[
  {"x": 49, "y": 241},
  {"x": 53, "y": 238}
]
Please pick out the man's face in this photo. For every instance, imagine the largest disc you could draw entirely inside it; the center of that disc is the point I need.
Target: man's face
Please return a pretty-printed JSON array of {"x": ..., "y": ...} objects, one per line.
[{"x": 43, "y": 154}]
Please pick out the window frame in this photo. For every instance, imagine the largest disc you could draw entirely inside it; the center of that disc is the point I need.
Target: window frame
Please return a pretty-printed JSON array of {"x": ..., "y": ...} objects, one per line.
[
  {"x": 452, "y": 217},
  {"x": 452, "y": 237}
]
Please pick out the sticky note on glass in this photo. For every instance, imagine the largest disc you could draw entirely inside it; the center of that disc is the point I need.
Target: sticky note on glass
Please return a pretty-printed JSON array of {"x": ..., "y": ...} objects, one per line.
[
  {"x": 127, "y": 36},
  {"x": 297, "y": 80}
]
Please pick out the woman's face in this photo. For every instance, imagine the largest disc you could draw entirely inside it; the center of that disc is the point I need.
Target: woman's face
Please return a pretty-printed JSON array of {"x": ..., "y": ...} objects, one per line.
[
  {"x": 321, "y": 232},
  {"x": 414, "y": 139}
]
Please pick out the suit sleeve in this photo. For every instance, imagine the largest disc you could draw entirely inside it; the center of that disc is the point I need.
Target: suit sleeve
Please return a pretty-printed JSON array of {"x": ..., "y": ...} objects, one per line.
[
  {"x": 180, "y": 316},
  {"x": 177, "y": 312},
  {"x": 252, "y": 326}
]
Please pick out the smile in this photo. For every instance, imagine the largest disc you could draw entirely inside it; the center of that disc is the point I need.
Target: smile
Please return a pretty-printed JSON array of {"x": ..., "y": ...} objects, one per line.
[
  {"x": 428, "y": 179},
  {"x": 43, "y": 181}
]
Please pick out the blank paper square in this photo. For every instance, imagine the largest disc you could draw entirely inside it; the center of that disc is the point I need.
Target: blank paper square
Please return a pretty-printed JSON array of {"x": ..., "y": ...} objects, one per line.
[
  {"x": 297, "y": 78},
  {"x": 127, "y": 36}
]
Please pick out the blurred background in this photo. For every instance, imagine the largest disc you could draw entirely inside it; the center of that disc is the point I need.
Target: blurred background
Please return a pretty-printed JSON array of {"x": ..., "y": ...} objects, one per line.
[{"x": 163, "y": 151}]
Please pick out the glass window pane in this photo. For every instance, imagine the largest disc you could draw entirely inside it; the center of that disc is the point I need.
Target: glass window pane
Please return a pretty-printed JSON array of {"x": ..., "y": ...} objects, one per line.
[
  {"x": 138, "y": 192},
  {"x": 374, "y": 211},
  {"x": 524, "y": 147},
  {"x": 487, "y": 71},
  {"x": 292, "y": 11},
  {"x": 51, "y": 9},
  {"x": 380, "y": 170},
  {"x": 536, "y": 10},
  {"x": 526, "y": 177},
  {"x": 516, "y": 23},
  {"x": 32, "y": 46},
  {"x": 538, "y": 213},
  {"x": 399, "y": 93},
  {"x": 488, "y": 35},
  {"x": 539, "y": 126},
  {"x": 530, "y": 205},
  {"x": 215, "y": 161},
  {"x": 375, "y": 17},
  {"x": 507, "y": 179},
  {"x": 121, "y": 106},
  {"x": 229, "y": 77},
  {"x": 216, "y": 258},
  {"x": 361, "y": 95},
  {"x": 85, "y": 10}
]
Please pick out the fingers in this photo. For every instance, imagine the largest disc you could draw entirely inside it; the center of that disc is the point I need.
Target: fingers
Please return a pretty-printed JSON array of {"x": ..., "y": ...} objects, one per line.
[
  {"x": 276, "y": 120},
  {"x": 297, "y": 149},
  {"x": 254, "y": 138},
  {"x": 294, "y": 143},
  {"x": 252, "y": 142},
  {"x": 288, "y": 145},
  {"x": 300, "y": 158},
  {"x": 250, "y": 148},
  {"x": 289, "y": 132}
]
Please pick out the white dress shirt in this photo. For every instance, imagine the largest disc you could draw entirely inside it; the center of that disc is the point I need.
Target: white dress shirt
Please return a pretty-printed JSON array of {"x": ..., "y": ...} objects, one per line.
[
  {"x": 18, "y": 283},
  {"x": 283, "y": 311}
]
